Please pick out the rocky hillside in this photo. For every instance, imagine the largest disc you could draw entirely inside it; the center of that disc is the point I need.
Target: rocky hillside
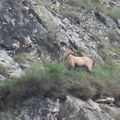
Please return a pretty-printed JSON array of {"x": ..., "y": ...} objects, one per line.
[{"x": 32, "y": 31}]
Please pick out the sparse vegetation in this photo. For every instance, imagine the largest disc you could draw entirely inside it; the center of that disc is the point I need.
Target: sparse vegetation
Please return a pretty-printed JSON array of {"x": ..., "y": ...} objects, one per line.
[
  {"x": 104, "y": 53},
  {"x": 55, "y": 81},
  {"x": 116, "y": 50},
  {"x": 114, "y": 13}
]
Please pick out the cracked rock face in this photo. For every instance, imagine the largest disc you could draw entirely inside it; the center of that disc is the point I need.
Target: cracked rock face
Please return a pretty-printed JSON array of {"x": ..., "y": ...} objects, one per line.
[
  {"x": 34, "y": 109},
  {"x": 12, "y": 68},
  {"x": 26, "y": 25},
  {"x": 22, "y": 19},
  {"x": 17, "y": 23},
  {"x": 80, "y": 110},
  {"x": 47, "y": 109},
  {"x": 23, "y": 30}
]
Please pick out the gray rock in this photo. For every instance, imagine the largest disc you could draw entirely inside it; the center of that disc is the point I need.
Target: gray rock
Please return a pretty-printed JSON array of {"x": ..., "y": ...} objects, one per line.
[
  {"x": 47, "y": 109},
  {"x": 114, "y": 112},
  {"x": 12, "y": 68},
  {"x": 67, "y": 33},
  {"x": 18, "y": 22},
  {"x": 2, "y": 78},
  {"x": 40, "y": 23},
  {"x": 47, "y": 19},
  {"x": 34, "y": 109},
  {"x": 76, "y": 109}
]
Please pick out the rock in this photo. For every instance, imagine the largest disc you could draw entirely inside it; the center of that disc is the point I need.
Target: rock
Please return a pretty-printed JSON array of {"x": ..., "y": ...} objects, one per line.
[
  {"x": 112, "y": 111},
  {"x": 12, "y": 68},
  {"x": 66, "y": 21},
  {"x": 36, "y": 109},
  {"x": 16, "y": 45},
  {"x": 119, "y": 22},
  {"x": 100, "y": 17},
  {"x": 38, "y": 22},
  {"x": 47, "y": 109},
  {"x": 105, "y": 20},
  {"x": 118, "y": 31},
  {"x": 62, "y": 38},
  {"x": 18, "y": 23},
  {"x": 2, "y": 78},
  {"x": 67, "y": 34},
  {"x": 80, "y": 110},
  {"x": 47, "y": 19},
  {"x": 107, "y": 100},
  {"x": 55, "y": 5},
  {"x": 113, "y": 3},
  {"x": 28, "y": 42}
]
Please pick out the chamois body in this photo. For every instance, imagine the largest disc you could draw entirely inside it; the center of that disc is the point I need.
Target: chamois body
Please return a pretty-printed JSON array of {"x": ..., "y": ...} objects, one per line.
[{"x": 73, "y": 61}]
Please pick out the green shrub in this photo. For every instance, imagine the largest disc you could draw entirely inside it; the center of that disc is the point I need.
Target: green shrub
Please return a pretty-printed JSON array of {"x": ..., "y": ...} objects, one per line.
[
  {"x": 104, "y": 54},
  {"x": 114, "y": 13},
  {"x": 53, "y": 80},
  {"x": 108, "y": 72},
  {"x": 98, "y": 70}
]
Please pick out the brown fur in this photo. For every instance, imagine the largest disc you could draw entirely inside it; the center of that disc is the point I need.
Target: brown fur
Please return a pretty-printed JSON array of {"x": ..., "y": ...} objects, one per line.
[{"x": 73, "y": 61}]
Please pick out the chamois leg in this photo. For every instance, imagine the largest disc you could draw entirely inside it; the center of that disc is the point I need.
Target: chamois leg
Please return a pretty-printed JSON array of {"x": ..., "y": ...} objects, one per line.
[
  {"x": 71, "y": 66},
  {"x": 90, "y": 68}
]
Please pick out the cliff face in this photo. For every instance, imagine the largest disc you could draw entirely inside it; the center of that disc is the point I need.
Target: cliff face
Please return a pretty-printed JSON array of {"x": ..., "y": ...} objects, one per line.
[
  {"x": 71, "y": 109},
  {"x": 38, "y": 30},
  {"x": 25, "y": 25}
]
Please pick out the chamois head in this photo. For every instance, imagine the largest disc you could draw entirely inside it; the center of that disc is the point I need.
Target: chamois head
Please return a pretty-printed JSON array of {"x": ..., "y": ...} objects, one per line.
[{"x": 67, "y": 53}]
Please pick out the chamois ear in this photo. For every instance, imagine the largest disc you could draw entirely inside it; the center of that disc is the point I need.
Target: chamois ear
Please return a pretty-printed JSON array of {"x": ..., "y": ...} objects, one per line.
[{"x": 71, "y": 51}]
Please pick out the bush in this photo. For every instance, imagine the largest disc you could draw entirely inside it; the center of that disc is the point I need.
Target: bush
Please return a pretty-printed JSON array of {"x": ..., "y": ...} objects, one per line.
[
  {"x": 104, "y": 54},
  {"x": 53, "y": 80},
  {"x": 114, "y": 13}
]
